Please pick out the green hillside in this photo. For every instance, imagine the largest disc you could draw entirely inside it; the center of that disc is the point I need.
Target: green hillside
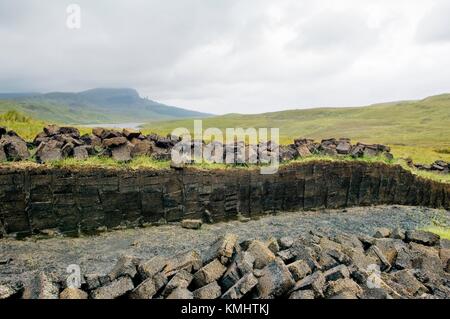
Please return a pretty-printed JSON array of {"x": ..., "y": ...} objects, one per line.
[
  {"x": 418, "y": 129},
  {"x": 93, "y": 106},
  {"x": 25, "y": 126}
]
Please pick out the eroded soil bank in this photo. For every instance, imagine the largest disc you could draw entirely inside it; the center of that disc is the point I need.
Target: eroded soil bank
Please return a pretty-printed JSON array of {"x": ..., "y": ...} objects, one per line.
[
  {"x": 98, "y": 254},
  {"x": 83, "y": 200}
]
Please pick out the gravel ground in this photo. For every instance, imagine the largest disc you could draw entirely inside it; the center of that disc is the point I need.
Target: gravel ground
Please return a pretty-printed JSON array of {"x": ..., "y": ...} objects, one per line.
[{"x": 97, "y": 254}]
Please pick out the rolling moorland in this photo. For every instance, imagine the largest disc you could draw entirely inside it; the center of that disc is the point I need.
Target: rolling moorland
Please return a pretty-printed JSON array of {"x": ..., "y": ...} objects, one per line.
[
  {"x": 92, "y": 106},
  {"x": 416, "y": 129}
]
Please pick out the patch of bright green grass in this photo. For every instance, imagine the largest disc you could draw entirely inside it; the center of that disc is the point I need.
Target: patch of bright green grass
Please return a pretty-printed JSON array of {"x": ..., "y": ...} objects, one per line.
[
  {"x": 443, "y": 178},
  {"x": 420, "y": 155},
  {"x": 27, "y": 127},
  {"x": 23, "y": 125},
  {"x": 106, "y": 162},
  {"x": 442, "y": 231}
]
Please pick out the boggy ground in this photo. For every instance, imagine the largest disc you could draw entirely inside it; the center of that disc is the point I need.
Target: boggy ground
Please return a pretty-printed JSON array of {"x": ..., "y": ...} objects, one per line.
[{"x": 98, "y": 254}]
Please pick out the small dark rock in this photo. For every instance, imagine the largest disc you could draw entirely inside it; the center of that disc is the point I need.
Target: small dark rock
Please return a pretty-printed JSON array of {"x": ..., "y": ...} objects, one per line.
[
  {"x": 114, "y": 289},
  {"x": 114, "y": 141},
  {"x": 422, "y": 237},
  {"x": 121, "y": 153},
  {"x": 192, "y": 223}
]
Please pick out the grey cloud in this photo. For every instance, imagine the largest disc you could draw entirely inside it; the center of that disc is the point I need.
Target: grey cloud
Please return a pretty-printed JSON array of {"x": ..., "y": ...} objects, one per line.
[
  {"x": 223, "y": 55},
  {"x": 434, "y": 27},
  {"x": 328, "y": 30},
  {"x": 121, "y": 35}
]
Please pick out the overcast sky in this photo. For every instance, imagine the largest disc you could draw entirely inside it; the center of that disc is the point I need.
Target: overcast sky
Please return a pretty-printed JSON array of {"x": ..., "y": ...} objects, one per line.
[{"x": 223, "y": 56}]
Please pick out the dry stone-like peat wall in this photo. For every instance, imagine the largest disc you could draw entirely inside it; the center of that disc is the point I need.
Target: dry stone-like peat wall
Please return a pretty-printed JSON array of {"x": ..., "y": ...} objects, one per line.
[
  {"x": 55, "y": 143},
  {"x": 82, "y": 200}
]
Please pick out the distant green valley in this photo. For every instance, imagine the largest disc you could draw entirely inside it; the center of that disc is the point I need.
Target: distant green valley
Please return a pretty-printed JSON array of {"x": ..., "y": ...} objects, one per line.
[{"x": 92, "y": 106}]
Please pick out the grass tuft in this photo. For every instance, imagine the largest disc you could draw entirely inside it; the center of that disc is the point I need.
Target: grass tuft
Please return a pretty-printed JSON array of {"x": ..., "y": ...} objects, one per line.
[
  {"x": 144, "y": 162},
  {"x": 442, "y": 231}
]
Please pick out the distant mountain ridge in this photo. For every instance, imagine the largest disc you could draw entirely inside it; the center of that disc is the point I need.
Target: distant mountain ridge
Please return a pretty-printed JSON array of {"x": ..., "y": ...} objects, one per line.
[
  {"x": 100, "y": 105},
  {"x": 7, "y": 96}
]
